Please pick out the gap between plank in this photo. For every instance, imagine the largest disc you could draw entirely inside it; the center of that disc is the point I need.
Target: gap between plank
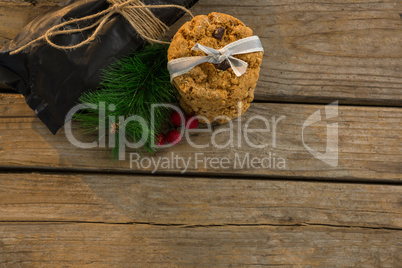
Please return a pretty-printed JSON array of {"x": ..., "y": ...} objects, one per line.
[
  {"x": 8, "y": 91},
  {"x": 396, "y": 105},
  {"x": 191, "y": 175},
  {"x": 183, "y": 225},
  {"x": 308, "y": 103}
]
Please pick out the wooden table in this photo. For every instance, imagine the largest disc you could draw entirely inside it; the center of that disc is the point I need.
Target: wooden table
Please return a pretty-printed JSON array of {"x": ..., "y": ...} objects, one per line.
[{"x": 65, "y": 206}]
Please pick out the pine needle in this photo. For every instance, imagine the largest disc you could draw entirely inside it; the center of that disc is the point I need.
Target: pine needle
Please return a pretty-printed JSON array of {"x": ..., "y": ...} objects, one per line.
[{"x": 132, "y": 84}]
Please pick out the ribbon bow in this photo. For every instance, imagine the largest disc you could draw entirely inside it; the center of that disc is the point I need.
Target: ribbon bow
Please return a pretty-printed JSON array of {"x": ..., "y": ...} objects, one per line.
[{"x": 251, "y": 44}]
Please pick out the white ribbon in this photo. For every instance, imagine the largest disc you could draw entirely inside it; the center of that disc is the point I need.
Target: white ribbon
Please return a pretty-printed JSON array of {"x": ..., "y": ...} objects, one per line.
[{"x": 251, "y": 44}]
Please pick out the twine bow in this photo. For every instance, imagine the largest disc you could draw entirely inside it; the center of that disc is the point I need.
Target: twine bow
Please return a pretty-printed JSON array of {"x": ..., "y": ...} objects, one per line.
[
  {"x": 144, "y": 22},
  {"x": 251, "y": 44}
]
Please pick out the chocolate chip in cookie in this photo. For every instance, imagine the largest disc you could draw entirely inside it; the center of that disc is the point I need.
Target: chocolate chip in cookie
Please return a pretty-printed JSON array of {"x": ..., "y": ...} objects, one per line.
[
  {"x": 224, "y": 65},
  {"x": 218, "y": 33}
]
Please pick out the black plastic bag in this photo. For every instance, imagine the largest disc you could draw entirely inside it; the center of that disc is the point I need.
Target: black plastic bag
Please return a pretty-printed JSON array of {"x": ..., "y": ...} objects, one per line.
[{"x": 52, "y": 80}]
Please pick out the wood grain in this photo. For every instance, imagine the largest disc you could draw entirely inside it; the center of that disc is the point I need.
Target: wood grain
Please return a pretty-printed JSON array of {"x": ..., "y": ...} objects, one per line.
[
  {"x": 195, "y": 201},
  {"x": 321, "y": 51},
  {"x": 105, "y": 245},
  {"x": 316, "y": 52},
  {"x": 15, "y": 14},
  {"x": 369, "y": 145},
  {"x": 14, "y": 105}
]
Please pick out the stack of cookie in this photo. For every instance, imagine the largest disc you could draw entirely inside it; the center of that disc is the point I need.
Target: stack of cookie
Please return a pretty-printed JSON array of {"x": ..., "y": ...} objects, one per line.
[{"x": 213, "y": 91}]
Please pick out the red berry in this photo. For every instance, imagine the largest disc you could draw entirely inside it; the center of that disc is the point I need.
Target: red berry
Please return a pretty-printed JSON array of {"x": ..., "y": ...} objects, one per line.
[
  {"x": 173, "y": 137},
  {"x": 160, "y": 140},
  {"x": 176, "y": 119},
  {"x": 191, "y": 122}
]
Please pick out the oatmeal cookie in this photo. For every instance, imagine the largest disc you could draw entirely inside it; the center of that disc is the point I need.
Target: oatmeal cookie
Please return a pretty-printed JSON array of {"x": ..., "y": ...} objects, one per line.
[{"x": 213, "y": 90}]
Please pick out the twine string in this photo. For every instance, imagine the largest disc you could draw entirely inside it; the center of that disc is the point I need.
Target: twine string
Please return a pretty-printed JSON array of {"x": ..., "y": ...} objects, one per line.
[{"x": 139, "y": 15}]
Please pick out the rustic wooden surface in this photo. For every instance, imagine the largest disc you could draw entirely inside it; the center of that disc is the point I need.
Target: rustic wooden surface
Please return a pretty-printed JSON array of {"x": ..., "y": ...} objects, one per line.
[
  {"x": 128, "y": 245},
  {"x": 169, "y": 221},
  {"x": 193, "y": 201},
  {"x": 62, "y": 206},
  {"x": 316, "y": 52},
  {"x": 367, "y": 139}
]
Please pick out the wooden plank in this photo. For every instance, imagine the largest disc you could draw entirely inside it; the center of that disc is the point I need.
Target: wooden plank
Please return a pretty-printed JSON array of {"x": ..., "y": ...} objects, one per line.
[
  {"x": 14, "y": 105},
  {"x": 101, "y": 245},
  {"x": 369, "y": 146},
  {"x": 316, "y": 52},
  {"x": 195, "y": 201},
  {"x": 324, "y": 51},
  {"x": 15, "y": 14}
]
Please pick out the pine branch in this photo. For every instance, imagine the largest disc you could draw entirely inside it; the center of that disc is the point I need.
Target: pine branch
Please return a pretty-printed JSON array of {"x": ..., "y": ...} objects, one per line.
[{"x": 132, "y": 84}]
